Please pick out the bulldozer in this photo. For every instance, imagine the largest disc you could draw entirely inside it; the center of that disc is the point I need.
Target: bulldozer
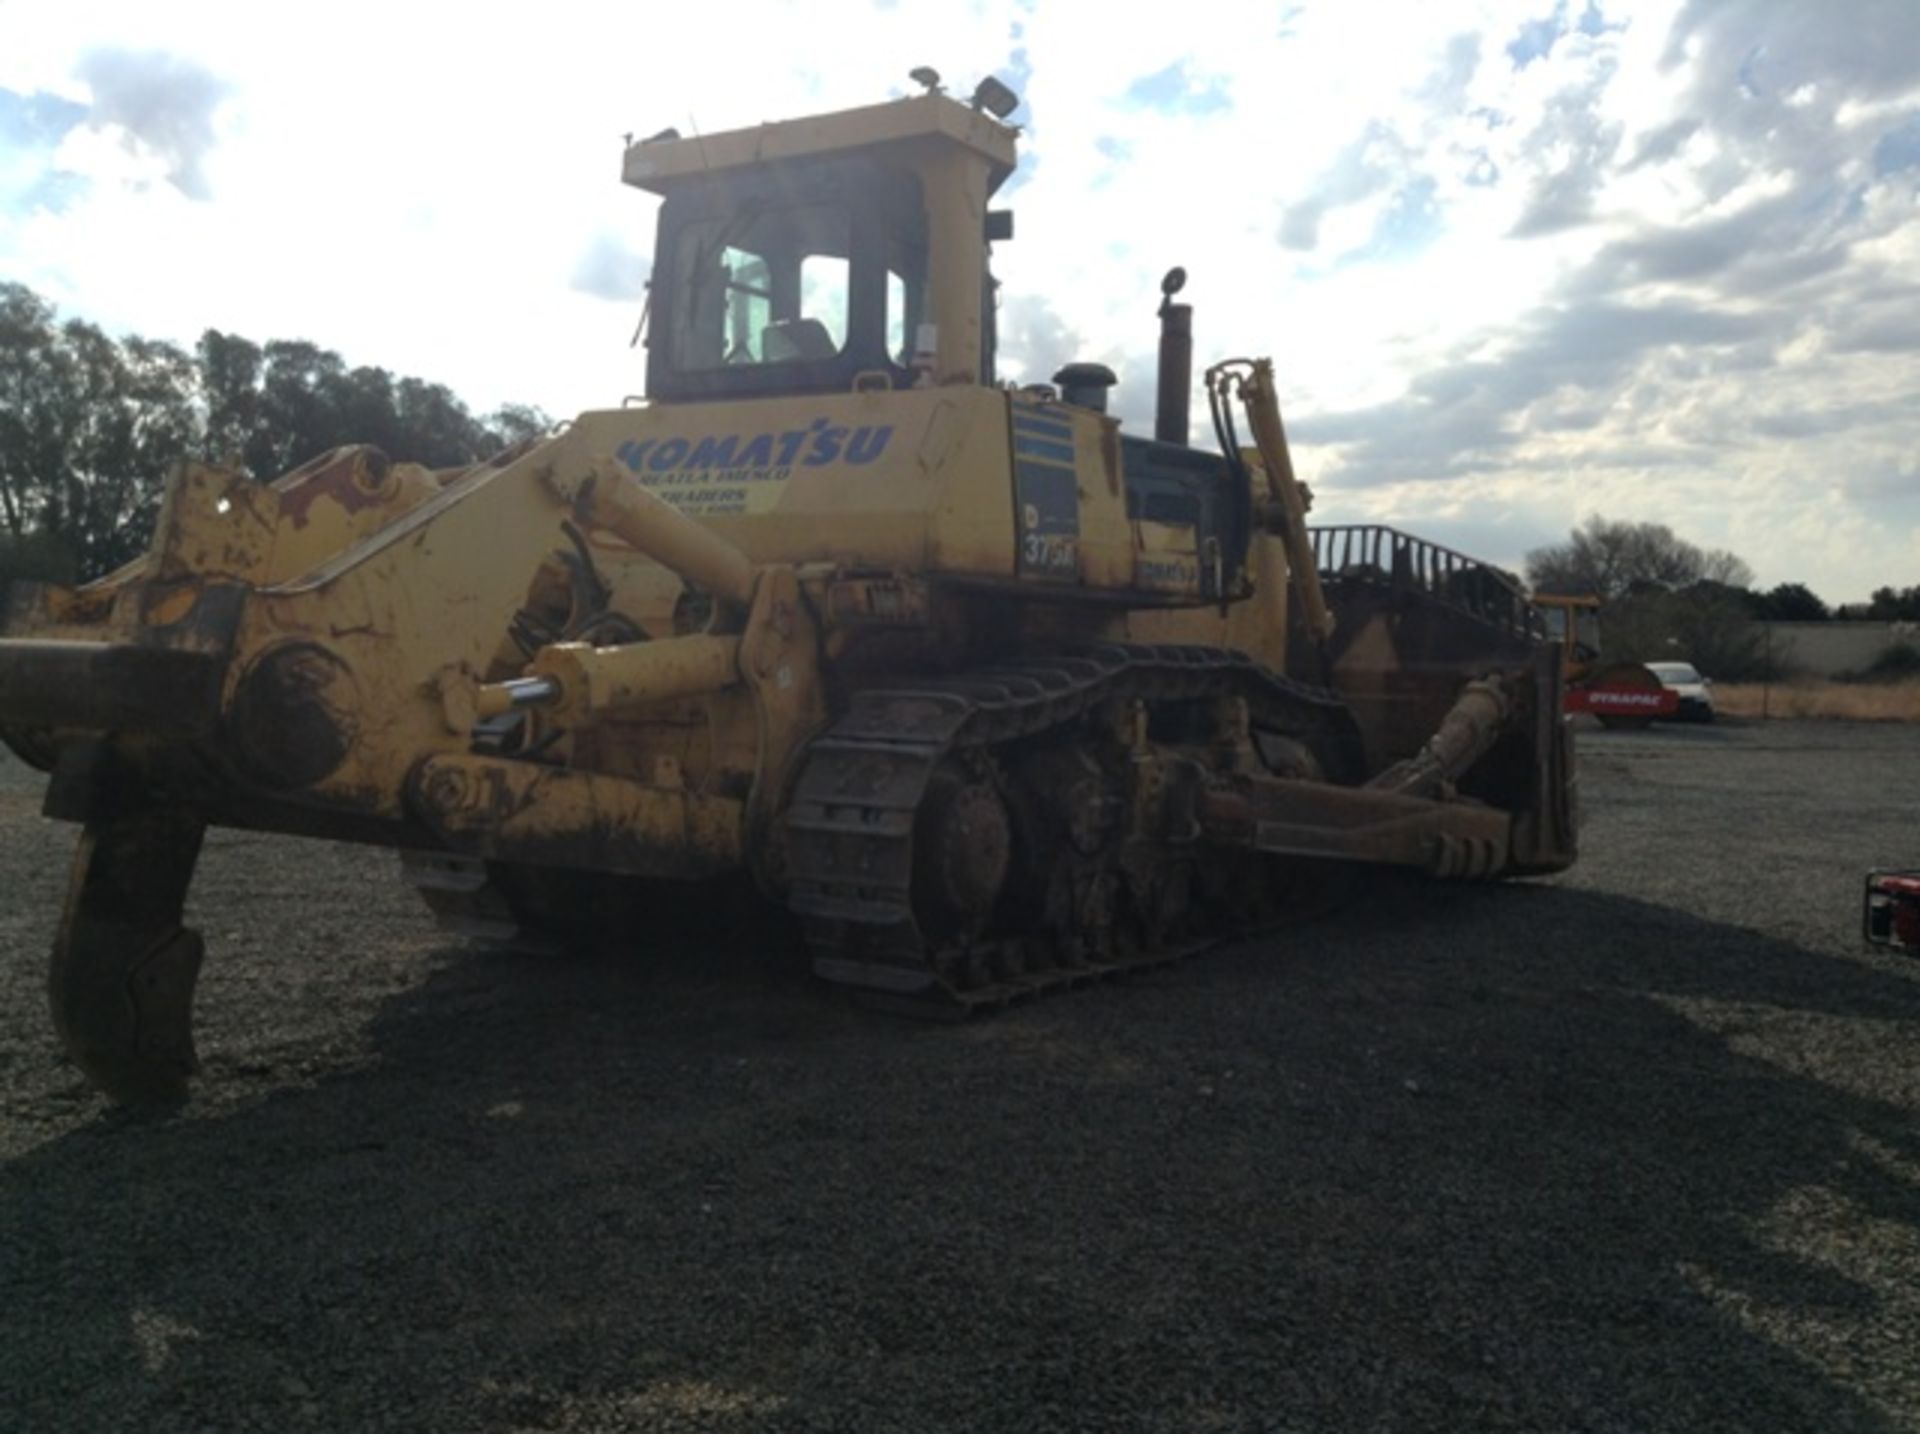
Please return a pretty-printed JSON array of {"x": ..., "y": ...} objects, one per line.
[{"x": 991, "y": 695}]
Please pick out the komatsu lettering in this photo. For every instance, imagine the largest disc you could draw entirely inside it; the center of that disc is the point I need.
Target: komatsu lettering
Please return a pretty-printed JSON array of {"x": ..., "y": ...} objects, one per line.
[{"x": 762, "y": 456}]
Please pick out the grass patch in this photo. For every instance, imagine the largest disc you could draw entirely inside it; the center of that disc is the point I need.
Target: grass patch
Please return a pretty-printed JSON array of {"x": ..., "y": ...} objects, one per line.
[{"x": 1849, "y": 701}]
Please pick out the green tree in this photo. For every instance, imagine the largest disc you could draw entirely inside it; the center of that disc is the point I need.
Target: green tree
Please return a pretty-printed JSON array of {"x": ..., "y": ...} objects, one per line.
[
  {"x": 1706, "y": 623},
  {"x": 365, "y": 411},
  {"x": 1608, "y": 560},
  {"x": 90, "y": 426},
  {"x": 35, "y": 400},
  {"x": 1791, "y": 602},
  {"x": 1713, "y": 628},
  {"x": 1890, "y": 604},
  {"x": 230, "y": 395},
  {"x": 513, "y": 423},
  {"x": 440, "y": 432},
  {"x": 111, "y": 419},
  {"x": 150, "y": 422},
  {"x": 300, "y": 392}
]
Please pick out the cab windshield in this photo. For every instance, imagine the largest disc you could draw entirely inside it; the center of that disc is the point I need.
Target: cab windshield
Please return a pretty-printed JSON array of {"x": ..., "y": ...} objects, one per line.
[
  {"x": 792, "y": 279},
  {"x": 764, "y": 288},
  {"x": 1586, "y": 625}
]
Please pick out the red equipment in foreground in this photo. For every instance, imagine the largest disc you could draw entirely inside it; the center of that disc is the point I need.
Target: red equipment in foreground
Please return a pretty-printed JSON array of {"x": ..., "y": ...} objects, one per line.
[{"x": 1892, "y": 913}]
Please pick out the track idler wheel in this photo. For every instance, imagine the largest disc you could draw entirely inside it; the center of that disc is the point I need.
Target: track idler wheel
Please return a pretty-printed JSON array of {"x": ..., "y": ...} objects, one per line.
[
  {"x": 963, "y": 844},
  {"x": 123, "y": 971}
]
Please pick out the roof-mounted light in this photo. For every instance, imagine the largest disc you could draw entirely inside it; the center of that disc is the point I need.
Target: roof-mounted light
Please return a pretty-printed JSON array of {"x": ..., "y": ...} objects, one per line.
[{"x": 995, "y": 98}]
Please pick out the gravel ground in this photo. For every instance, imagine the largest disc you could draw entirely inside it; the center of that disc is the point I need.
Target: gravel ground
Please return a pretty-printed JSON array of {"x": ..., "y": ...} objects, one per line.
[{"x": 1636, "y": 1149}]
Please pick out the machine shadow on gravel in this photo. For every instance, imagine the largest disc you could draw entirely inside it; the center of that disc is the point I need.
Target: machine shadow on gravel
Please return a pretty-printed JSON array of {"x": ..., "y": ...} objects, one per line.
[{"x": 1422, "y": 1167}]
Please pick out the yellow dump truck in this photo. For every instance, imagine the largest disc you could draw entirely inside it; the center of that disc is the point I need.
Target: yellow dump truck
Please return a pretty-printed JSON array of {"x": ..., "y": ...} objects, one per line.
[{"x": 992, "y": 694}]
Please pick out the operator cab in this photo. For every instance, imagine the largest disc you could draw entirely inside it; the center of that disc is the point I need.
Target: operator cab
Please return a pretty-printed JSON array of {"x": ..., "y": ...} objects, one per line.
[
  {"x": 1573, "y": 622},
  {"x": 802, "y": 256},
  {"x": 795, "y": 279},
  {"x": 849, "y": 250}
]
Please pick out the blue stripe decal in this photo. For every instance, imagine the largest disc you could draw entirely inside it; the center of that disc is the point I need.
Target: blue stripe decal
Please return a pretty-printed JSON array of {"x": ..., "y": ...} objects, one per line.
[
  {"x": 1040, "y": 448},
  {"x": 1035, "y": 423},
  {"x": 1048, "y": 435}
]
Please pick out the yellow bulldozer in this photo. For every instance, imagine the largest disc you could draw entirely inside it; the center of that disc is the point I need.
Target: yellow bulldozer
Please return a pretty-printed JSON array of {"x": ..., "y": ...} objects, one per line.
[{"x": 993, "y": 696}]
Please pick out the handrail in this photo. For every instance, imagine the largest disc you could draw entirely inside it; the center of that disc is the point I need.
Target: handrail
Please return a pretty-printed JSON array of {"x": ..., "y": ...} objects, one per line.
[{"x": 1384, "y": 557}]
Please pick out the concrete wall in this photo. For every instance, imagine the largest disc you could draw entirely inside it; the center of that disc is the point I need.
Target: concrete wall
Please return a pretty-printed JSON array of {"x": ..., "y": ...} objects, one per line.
[{"x": 1822, "y": 649}]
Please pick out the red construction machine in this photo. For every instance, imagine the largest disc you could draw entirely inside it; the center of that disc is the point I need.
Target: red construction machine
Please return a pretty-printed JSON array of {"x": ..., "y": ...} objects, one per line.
[
  {"x": 1892, "y": 910},
  {"x": 1620, "y": 694}
]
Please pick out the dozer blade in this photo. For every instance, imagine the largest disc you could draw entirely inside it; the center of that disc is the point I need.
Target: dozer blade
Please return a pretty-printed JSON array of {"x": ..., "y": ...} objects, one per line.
[{"x": 123, "y": 971}]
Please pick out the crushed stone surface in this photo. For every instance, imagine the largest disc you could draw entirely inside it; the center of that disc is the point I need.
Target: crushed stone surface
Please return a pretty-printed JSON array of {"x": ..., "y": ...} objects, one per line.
[{"x": 1635, "y": 1149}]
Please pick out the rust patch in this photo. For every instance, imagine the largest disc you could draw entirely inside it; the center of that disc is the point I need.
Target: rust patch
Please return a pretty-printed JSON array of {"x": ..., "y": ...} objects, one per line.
[
  {"x": 164, "y": 604},
  {"x": 355, "y": 477}
]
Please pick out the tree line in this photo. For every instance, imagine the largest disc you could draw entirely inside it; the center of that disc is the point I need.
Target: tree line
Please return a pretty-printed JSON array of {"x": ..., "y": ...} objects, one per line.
[
  {"x": 90, "y": 425},
  {"x": 1665, "y": 597}
]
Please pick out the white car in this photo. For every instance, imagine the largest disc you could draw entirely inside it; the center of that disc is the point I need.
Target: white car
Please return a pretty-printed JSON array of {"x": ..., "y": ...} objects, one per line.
[{"x": 1694, "y": 691}]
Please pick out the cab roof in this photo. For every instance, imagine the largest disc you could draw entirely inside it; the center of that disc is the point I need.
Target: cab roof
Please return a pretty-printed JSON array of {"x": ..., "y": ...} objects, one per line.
[{"x": 657, "y": 164}]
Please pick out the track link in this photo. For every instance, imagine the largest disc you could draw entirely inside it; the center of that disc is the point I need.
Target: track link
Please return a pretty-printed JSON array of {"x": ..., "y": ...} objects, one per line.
[{"x": 851, "y": 826}]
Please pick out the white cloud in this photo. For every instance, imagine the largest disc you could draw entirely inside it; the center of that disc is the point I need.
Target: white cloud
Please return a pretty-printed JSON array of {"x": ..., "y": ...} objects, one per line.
[{"x": 436, "y": 190}]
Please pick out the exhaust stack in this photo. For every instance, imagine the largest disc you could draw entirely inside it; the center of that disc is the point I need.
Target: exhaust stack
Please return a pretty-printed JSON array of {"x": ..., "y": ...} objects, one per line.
[{"x": 1176, "y": 362}]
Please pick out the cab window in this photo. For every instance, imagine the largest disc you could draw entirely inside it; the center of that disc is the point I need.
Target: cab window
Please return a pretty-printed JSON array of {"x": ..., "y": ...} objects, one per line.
[
  {"x": 763, "y": 288},
  {"x": 906, "y": 299},
  {"x": 797, "y": 278}
]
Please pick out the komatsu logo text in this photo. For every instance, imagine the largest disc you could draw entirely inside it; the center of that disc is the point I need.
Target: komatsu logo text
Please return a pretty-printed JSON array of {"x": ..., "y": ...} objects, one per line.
[{"x": 735, "y": 473}]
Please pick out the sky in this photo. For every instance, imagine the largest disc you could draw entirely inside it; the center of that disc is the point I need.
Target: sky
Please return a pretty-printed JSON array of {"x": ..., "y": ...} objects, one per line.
[{"x": 1517, "y": 262}]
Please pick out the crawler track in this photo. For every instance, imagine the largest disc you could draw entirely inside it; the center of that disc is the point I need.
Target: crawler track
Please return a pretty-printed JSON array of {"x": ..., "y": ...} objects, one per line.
[{"x": 851, "y": 826}]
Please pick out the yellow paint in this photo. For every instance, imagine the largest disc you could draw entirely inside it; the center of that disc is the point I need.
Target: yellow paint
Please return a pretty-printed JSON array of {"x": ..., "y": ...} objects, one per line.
[{"x": 431, "y": 589}]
